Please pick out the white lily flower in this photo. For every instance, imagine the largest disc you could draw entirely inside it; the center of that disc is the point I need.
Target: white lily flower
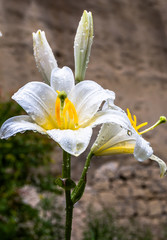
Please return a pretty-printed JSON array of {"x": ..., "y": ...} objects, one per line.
[
  {"x": 64, "y": 111},
  {"x": 82, "y": 45},
  {"x": 43, "y": 54},
  {"x": 122, "y": 137}
]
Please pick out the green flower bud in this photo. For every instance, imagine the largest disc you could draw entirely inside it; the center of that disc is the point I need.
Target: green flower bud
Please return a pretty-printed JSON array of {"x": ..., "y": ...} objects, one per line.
[{"x": 82, "y": 45}]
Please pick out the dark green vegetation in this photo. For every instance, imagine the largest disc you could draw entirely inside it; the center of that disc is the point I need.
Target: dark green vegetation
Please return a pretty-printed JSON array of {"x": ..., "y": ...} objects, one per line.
[
  {"x": 103, "y": 225},
  {"x": 25, "y": 159}
]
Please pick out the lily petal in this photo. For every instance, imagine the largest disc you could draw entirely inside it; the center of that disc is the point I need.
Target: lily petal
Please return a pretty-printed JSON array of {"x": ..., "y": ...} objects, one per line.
[
  {"x": 118, "y": 136},
  {"x": 162, "y": 164},
  {"x": 43, "y": 54},
  {"x": 142, "y": 149},
  {"x": 87, "y": 96},
  {"x": 110, "y": 116},
  {"x": 73, "y": 142},
  {"x": 19, "y": 124},
  {"x": 113, "y": 139},
  {"x": 38, "y": 100},
  {"x": 62, "y": 79}
]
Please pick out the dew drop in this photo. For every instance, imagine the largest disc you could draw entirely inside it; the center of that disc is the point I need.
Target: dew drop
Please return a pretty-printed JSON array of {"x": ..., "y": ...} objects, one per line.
[{"x": 129, "y": 133}]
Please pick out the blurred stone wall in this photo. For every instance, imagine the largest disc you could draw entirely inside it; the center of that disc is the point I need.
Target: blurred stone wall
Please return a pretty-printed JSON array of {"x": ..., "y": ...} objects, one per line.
[
  {"x": 129, "y": 56},
  {"x": 135, "y": 193}
]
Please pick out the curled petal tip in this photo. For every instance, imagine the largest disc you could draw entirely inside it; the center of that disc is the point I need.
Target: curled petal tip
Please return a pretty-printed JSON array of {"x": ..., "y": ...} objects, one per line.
[{"x": 162, "y": 165}]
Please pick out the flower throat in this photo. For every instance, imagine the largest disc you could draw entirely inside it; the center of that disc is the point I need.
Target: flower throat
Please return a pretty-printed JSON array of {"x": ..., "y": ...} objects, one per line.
[{"x": 65, "y": 112}]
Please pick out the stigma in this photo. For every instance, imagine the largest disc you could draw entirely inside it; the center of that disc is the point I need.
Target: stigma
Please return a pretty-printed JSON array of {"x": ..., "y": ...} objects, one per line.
[{"x": 65, "y": 112}]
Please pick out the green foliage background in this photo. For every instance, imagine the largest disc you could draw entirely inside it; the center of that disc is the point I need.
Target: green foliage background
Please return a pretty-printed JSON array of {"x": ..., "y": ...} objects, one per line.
[
  {"x": 103, "y": 225},
  {"x": 20, "y": 158}
]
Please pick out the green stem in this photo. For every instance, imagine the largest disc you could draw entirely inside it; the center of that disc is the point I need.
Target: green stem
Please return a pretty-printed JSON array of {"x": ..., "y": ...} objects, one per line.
[
  {"x": 66, "y": 173},
  {"x": 79, "y": 189},
  {"x": 87, "y": 164}
]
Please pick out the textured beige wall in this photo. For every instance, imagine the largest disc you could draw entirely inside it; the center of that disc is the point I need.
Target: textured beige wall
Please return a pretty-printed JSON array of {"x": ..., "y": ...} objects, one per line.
[{"x": 129, "y": 56}]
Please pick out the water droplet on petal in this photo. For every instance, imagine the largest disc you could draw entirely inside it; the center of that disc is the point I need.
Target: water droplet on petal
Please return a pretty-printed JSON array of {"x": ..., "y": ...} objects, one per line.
[{"x": 129, "y": 133}]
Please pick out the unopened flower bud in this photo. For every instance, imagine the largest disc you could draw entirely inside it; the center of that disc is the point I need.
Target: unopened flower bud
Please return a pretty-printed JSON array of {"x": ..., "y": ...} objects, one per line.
[
  {"x": 82, "y": 45},
  {"x": 43, "y": 54}
]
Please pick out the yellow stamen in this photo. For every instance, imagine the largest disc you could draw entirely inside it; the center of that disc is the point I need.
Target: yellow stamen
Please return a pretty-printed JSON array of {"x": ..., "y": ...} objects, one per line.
[
  {"x": 141, "y": 125},
  {"x": 135, "y": 119},
  {"x": 68, "y": 109},
  {"x": 74, "y": 113},
  {"x": 134, "y": 123},
  {"x": 129, "y": 114},
  {"x": 57, "y": 111},
  {"x": 66, "y": 114}
]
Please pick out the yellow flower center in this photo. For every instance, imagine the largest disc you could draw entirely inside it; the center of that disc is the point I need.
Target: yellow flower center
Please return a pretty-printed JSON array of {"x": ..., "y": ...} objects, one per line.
[
  {"x": 65, "y": 112},
  {"x": 134, "y": 123}
]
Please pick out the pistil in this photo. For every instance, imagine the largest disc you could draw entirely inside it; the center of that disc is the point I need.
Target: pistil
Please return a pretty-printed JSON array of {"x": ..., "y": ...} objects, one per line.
[{"x": 162, "y": 119}]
